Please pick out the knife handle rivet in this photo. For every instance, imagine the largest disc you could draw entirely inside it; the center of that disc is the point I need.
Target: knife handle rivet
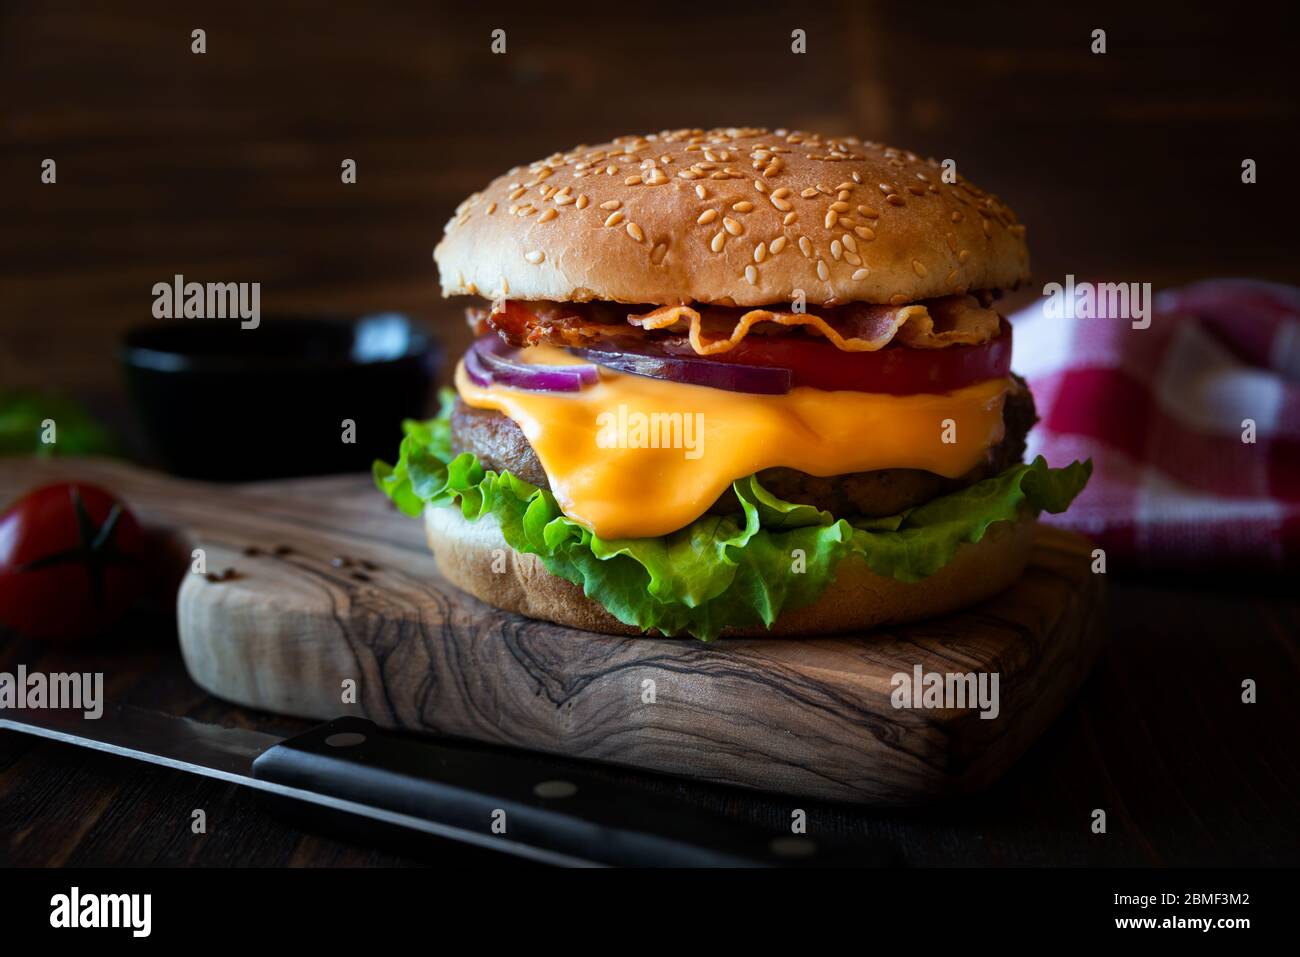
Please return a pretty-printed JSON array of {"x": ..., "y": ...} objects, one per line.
[
  {"x": 345, "y": 739},
  {"x": 555, "y": 789},
  {"x": 792, "y": 847}
]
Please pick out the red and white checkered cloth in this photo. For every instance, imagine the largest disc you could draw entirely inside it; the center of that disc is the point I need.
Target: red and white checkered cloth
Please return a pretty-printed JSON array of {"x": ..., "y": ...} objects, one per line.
[{"x": 1160, "y": 411}]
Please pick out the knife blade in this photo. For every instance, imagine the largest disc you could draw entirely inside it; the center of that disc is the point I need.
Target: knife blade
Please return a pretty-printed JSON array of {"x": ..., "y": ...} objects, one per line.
[{"x": 497, "y": 798}]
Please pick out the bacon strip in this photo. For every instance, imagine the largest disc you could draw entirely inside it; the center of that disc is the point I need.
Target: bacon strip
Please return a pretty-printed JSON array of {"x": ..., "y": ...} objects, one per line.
[{"x": 711, "y": 330}]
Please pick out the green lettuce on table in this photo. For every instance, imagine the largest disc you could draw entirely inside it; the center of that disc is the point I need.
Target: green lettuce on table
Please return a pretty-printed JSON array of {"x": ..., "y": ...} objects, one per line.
[
  {"x": 22, "y": 422},
  {"x": 721, "y": 569}
]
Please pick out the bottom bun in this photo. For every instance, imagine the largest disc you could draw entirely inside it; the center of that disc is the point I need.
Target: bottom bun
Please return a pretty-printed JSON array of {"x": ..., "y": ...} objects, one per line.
[{"x": 858, "y": 599}]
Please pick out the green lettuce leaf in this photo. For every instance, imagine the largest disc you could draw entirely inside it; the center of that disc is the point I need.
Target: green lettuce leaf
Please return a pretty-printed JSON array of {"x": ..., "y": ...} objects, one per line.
[
  {"x": 22, "y": 423},
  {"x": 719, "y": 570}
]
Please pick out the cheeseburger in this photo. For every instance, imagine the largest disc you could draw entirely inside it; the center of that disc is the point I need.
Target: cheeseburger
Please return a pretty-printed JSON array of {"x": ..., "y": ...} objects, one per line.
[{"x": 731, "y": 382}]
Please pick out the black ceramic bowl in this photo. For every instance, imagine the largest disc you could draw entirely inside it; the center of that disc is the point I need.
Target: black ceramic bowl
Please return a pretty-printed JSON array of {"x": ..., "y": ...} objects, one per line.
[{"x": 222, "y": 402}]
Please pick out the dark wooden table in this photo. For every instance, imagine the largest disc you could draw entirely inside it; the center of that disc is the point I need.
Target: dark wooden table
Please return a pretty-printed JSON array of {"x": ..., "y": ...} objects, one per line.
[
  {"x": 225, "y": 167},
  {"x": 1159, "y": 739}
]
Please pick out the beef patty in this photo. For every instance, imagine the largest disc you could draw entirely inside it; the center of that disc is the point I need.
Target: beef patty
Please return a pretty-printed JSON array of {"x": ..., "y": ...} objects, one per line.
[{"x": 501, "y": 446}]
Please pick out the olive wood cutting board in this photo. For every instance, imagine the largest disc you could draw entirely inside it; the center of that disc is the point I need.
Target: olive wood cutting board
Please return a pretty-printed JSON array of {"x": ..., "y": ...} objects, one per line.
[{"x": 329, "y": 585}]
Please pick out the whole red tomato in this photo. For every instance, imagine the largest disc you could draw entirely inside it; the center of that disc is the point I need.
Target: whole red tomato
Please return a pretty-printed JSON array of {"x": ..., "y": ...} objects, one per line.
[{"x": 72, "y": 561}]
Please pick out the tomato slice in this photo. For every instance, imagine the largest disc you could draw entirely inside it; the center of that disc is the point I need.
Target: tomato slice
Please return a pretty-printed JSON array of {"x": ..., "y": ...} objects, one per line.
[{"x": 894, "y": 370}]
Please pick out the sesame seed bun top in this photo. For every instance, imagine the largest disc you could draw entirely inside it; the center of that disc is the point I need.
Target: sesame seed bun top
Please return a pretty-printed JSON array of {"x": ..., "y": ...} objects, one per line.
[{"x": 744, "y": 217}]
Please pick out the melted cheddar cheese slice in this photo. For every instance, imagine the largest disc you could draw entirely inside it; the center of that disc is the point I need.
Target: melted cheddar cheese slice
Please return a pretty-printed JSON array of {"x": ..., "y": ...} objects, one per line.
[{"x": 634, "y": 457}]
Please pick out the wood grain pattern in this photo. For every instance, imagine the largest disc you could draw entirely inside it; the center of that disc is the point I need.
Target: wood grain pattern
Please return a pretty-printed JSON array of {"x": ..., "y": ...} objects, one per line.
[
  {"x": 340, "y": 587},
  {"x": 225, "y": 167}
]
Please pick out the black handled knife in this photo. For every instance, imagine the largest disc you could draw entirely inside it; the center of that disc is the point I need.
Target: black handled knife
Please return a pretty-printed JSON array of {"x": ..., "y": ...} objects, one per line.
[{"x": 545, "y": 809}]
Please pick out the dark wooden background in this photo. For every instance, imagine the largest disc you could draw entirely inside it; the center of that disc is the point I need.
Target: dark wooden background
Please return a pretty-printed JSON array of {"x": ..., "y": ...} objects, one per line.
[{"x": 225, "y": 167}]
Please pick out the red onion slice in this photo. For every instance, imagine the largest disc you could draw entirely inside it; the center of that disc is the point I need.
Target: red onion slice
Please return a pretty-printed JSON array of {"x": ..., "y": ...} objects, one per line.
[
  {"x": 493, "y": 361},
  {"x": 647, "y": 361},
  {"x": 475, "y": 370}
]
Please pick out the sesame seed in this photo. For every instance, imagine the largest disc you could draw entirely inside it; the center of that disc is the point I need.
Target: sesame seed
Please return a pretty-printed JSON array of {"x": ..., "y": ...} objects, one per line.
[
  {"x": 956, "y": 215},
  {"x": 689, "y": 174},
  {"x": 582, "y": 201},
  {"x": 547, "y": 216},
  {"x": 805, "y": 246},
  {"x": 778, "y": 244},
  {"x": 893, "y": 199},
  {"x": 831, "y": 217},
  {"x": 634, "y": 231},
  {"x": 808, "y": 193},
  {"x": 780, "y": 204},
  {"x": 491, "y": 208},
  {"x": 751, "y": 275},
  {"x": 732, "y": 226},
  {"x": 853, "y": 259},
  {"x": 614, "y": 219},
  {"x": 963, "y": 256},
  {"x": 918, "y": 267},
  {"x": 535, "y": 257},
  {"x": 837, "y": 249},
  {"x": 898, "y": 299},
  {"x": 700, "y": 191},
  {"x": 719, "y": 240},
  {"x": 822, "y": 272},
  {"x": 865, "y": 232},
  {"x": 657, "y": 254},
  {"x": 790, "y": 219},
  {"x": 611, "y": 204},
  {"x": 760, "y": 252},
  {"x": 565, "y": 200},
  {"x": 840, "y": 207},
  {"x": 632, "y": 180},
  {"x": 760, "y": 186},
  {"x": 706, "y": 217},
  {"x": 868, "y": 212},
  {"x": 744, "y": 206},
  {"x": 517, "y": 193},
  {"x": 850, "y": 243},
  {"x": 860, "y": 274}
]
